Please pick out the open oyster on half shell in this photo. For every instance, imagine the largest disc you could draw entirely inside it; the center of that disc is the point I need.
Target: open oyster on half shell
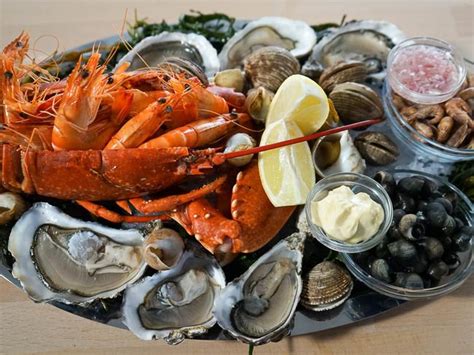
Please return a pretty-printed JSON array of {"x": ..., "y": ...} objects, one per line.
[
  {"x": 295, "y": 36},
  {"x": 259, "y": 306},
  {"x": 175, "y": 303},
  {"x": 367, "y": 41},
  {"x": 60, "y": 258},
  {"x": 155, "y": 50}
]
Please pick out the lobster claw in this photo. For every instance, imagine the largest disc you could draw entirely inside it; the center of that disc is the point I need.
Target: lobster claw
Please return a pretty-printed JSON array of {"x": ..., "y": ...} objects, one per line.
[{"x": 255, "y": 221}]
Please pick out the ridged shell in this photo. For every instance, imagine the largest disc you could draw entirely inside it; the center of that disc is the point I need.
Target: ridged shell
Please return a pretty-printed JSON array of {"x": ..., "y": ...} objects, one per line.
[
  {"x": 326, "y": 286},
  {"x": 341, "y": 73},
  {"x": 356, "y": 102},
  {"x": 270, "y": 66},
  {"x": 180, "y": 65}
]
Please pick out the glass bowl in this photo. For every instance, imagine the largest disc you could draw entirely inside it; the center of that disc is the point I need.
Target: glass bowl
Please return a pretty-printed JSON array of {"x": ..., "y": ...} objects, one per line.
[
  {"x": 465, "y": 211},
  {"x": 425, "y": 43},
  {"x": 417, "y": 143},
  {"x": 357, "y": 183}
]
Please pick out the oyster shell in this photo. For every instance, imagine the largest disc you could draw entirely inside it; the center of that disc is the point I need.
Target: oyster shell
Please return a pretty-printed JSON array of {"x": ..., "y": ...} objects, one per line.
[
  {"x": 153, "y": 50},
  {"x": 259, "y": 306},
  {"x": 356, "y": 102},
  {"x": 270, "y": 66},
  {"x": 64, "y": 259},
  {"x": 365, "y": 41},
  {"x": 296, "y": 36},
  {"x": 337, "y": 153},
  {"x": 175, "y": 303},
  {"x": 326, "y": 286},
  {"x": 180, "y": 65}
]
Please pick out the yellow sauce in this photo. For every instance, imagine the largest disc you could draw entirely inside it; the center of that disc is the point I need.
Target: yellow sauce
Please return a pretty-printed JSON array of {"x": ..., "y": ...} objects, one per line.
[{"x": 347, "y": 217}]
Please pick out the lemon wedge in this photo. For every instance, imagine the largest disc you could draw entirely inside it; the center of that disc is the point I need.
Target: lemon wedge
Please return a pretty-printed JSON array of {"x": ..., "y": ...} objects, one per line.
[
  {"x": 300, "y": 100},
  {"x": 287, "y": 173}
]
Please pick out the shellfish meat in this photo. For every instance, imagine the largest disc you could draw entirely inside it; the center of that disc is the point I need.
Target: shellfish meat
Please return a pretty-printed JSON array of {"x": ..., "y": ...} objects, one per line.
[
  {"x": 64, "y": 259},
  {"x": 326, "y": 286},
  {"x": 176, "y": 303},
  {"x": 296, "y": 36},
  {"x": 259, "y": 306}
]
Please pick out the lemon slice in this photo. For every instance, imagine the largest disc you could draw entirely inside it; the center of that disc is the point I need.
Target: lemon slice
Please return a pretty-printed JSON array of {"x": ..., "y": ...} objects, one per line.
[
  {"x": 287, "y": 173},
  {"x": 300, "y": 100}
]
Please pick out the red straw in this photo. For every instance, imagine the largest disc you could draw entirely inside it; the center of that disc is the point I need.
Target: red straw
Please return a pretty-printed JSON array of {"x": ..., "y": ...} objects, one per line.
[{"x": 264, "y": 148}]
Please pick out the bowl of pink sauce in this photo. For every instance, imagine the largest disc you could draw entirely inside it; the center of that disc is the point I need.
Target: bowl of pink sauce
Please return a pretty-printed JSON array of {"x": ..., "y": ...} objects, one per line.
[{"x": 425, "y": 70}]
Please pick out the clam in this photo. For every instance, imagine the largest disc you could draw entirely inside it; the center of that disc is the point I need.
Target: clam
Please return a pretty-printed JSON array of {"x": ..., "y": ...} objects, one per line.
[
  {"x": 336, "y": 153},
  {"x": 12, "y": 207},
  {"x": 377, "y": 148},
  {"x": 295, "y": 36},
  {"x": 163, "y": 248},
  {"x": 230, "y": 78},
  {"x": 356, "y": 102},
  {"x": 364, "y": 41},
  {"x": 259, "y": 306},
  {"x": 326, "y": 286},
  {"x": 176, "y": 303},
  {"x": 270, "y": 66},
  {"x": 258, "y": 103},
  {"x": 341, "y": 73},
  {"x": 154, "y": 50},
  {"x": 60, "y": 258},
  {"x": 240, "y": 141}
]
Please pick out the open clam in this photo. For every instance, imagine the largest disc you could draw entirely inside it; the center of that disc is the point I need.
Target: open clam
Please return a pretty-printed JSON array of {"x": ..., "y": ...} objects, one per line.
[
  {"x": 365, "y": 41},
  {"x": 154, "y": 50},
  {"x": 356, "y": 102},
  {"x": 176, "y": 303},
  {"x": 64, "y": 259},
  {"x": 295, "y": 36},
  {"x": 259, "y": 306},
  {"x": 326, "y": 286}
]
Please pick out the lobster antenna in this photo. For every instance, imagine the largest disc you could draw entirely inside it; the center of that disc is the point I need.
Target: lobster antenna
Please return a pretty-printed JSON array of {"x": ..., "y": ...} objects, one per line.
[{"x": 241, "y": 153}]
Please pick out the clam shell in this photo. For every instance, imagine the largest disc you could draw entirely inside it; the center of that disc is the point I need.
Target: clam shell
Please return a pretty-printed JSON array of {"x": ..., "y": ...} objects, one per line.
[
  {"x": 270, "y": 66},
  {"x": 341, "y": 73},
  {"x": 326, "y": 286},
  {"x": 356, "y": 102}
]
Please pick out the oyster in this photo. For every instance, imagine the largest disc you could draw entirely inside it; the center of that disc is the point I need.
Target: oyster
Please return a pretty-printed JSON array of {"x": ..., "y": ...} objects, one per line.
[
  {"x": 259, "y": 306},
  {"x": 295, "y": 36},
  {"x": 336, "y": 153},
  {"x": 64, "y": 259},
  {"x": 153, "y": 50},
  {"x": 326, "y": 286},
  {"x": 270, "y": 66},
  {"x": 175, "y": 303},
  {"x": 365, "y": 41},
  {"x": 356, "y": 102}
]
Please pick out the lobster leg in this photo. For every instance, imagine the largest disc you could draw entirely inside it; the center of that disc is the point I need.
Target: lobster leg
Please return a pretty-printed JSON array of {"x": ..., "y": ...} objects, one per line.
[
  {"x": 111, "y": 216},
  {"x": 169, "y": 203}
]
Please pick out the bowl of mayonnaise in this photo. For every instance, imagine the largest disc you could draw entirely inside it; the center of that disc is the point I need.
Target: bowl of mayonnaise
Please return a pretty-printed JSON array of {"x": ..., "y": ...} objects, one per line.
[{"x": 348, "y": 212}]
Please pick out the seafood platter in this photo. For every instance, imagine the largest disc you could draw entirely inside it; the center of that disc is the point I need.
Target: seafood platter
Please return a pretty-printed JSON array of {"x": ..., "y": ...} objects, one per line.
[{"x": 223, "y": 179}]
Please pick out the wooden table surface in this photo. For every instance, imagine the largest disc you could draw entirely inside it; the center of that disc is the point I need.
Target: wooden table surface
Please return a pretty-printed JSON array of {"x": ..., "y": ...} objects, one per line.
[{"x": 441, "y": 326}]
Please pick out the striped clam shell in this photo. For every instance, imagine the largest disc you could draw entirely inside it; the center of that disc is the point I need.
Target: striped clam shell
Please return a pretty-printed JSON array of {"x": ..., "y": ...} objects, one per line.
[{"x": 326, "y": 286}]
